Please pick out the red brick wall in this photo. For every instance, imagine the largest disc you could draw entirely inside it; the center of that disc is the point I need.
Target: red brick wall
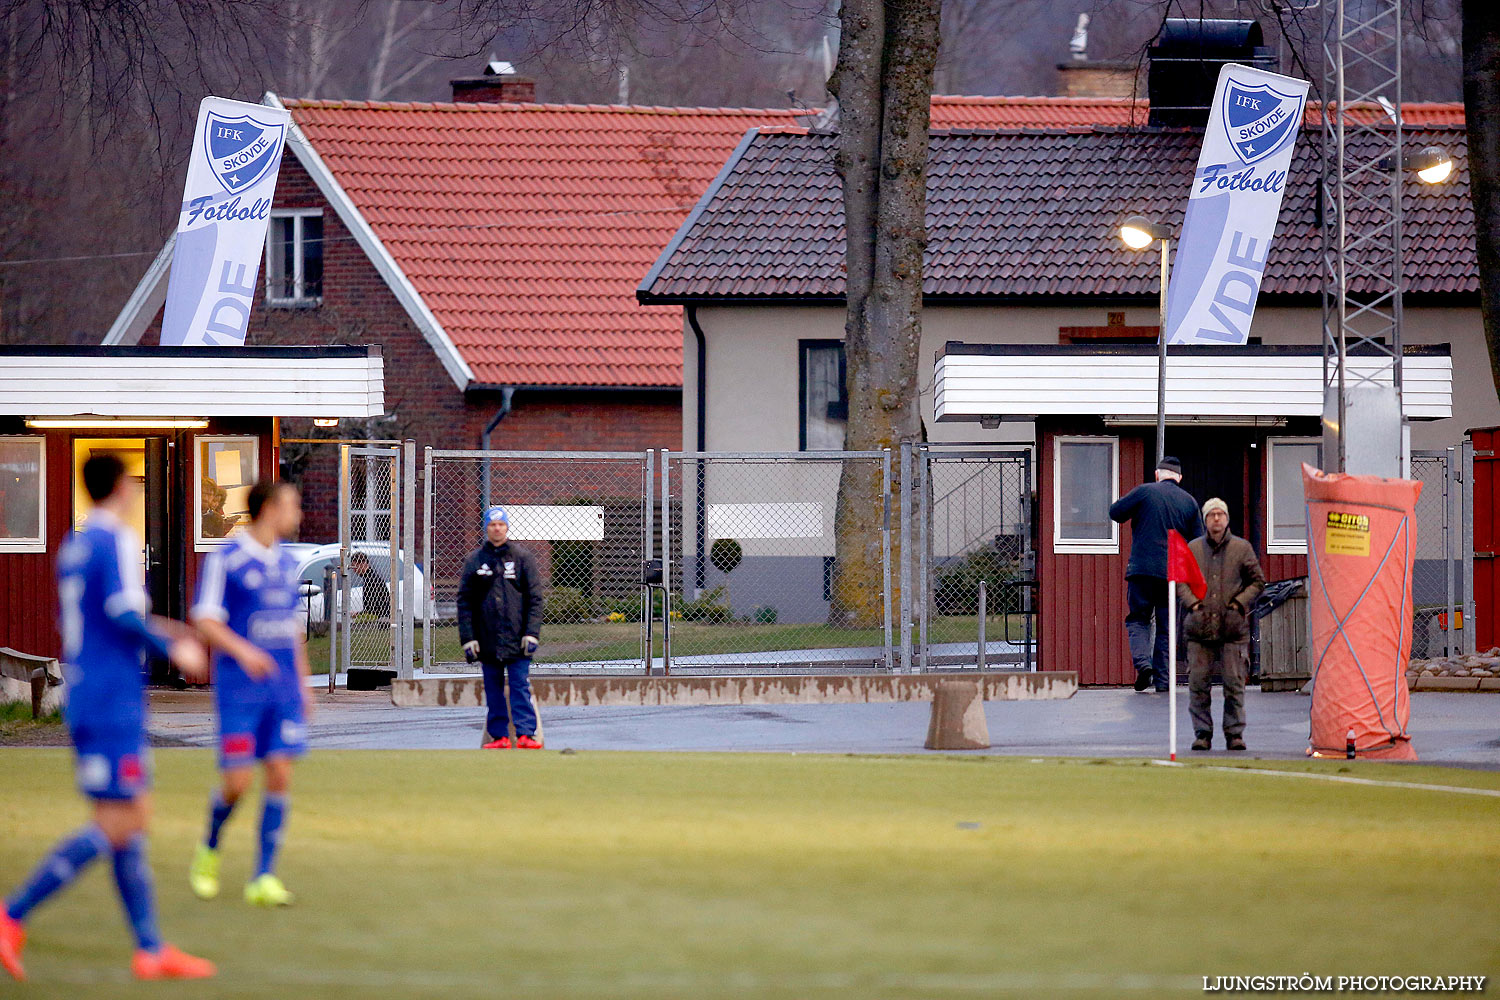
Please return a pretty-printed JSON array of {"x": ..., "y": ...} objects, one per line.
[{"x": 358, "y": 308}]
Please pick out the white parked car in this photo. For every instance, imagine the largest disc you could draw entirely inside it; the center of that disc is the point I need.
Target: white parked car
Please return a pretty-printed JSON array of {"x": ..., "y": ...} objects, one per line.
[{"x": 314, "y": 560}]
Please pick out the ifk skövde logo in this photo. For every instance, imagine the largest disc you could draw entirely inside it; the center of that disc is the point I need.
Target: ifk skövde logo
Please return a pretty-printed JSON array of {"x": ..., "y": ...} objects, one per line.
[
  {"x": 1259, "y": 119},
  {"x": 241, "y": 150}
]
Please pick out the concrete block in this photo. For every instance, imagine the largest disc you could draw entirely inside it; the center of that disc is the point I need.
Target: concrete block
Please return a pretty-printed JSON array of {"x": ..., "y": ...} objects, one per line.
[
  {"x": 798, "y": 689},
  {"x": 1489, "y": 683},
  {"x": 958, "y": 721},
  {"x": 1447, "y": 684}
]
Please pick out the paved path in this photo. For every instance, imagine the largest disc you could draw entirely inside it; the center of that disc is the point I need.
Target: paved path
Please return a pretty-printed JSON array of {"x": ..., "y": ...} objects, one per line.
[{"x": 1446, "y": 728}]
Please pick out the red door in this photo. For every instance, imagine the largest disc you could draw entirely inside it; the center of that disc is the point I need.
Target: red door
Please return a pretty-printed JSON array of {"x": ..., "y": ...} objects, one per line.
[{"x": 1486, "y": 537}]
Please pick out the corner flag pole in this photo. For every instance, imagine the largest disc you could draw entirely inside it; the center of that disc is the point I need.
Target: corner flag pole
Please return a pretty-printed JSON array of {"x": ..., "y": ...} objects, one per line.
[{"x": 1172, "y": 668}]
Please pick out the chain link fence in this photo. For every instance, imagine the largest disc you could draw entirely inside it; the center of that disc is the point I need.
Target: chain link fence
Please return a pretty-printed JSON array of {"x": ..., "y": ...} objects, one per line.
[
  {"x": 1437, "y": 572},
  {"x": 753, "y": 568},
  {"x": 369, "y": 589},
  {"x": 587, "y": 519},
  {"x": 974, "y": 510}
]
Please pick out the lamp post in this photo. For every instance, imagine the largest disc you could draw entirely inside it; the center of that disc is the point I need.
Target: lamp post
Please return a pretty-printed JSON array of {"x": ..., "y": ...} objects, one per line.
[{"x": 1138, "y": 233}]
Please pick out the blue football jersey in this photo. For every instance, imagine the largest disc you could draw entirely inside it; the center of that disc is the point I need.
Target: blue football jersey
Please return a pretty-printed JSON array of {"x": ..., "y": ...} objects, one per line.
[
  {"x": 253, "y": 590},
  {"x": 103, "y": 606}
]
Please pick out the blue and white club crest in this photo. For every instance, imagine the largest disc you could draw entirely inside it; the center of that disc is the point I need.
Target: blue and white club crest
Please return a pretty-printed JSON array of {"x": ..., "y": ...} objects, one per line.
[
  {"x": 1260, "y": 120},
  {"x": 241, "y": 149}
]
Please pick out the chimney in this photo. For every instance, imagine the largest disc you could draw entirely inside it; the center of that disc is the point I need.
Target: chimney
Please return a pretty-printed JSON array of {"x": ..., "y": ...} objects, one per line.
[
  {"x": 1185, "y": 63},
  {"x": 499, "y": 84},
  {"x": 1081, "y": 77}
]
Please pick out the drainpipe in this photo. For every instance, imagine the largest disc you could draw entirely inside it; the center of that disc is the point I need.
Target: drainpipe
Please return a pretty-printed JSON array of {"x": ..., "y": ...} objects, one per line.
[
  {"x": 700, "y": 567},
  {"x": 484, "y": 435}
]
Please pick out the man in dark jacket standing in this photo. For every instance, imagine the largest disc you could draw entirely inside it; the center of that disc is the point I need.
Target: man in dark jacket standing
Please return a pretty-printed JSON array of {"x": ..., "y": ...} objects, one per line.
[
  {"x": 1152, "y": 509},
  {"x": 1218, "y": 627},
  {"x": 499, "y": 624}
]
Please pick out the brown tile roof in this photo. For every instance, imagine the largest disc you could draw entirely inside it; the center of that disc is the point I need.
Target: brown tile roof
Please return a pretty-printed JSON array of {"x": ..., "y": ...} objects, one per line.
[{"x": 1023, "y": 213}]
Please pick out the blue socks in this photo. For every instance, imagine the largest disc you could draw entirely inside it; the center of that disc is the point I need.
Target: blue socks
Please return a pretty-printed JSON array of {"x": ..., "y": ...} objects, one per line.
[
  {"x": 218, "y": 813},
  {"x": 272, "y": 816},
  {"x": 57, "y": 870},
  {"x": 68, "y": 860},
  {"x": 133, "y": 879}
]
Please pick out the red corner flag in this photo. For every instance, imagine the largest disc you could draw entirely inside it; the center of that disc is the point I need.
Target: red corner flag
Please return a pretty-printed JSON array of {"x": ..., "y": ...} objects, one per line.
[{"x": 1182, "y": 567}]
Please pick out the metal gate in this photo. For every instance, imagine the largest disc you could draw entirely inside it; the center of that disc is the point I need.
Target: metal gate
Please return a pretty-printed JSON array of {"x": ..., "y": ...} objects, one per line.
[
  {"x": 977, "y": 565},
  {"x": 750, "y": 576},
  {"x": 375, "y": 589},
  {"x": 586, "y": 517},
  {"x": 1439, "y": 582},
  {"x": 693, "y": 562}
]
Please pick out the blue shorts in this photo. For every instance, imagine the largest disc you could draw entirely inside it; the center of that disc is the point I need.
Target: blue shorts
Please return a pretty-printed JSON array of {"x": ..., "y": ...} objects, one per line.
[
  {"x": 254, "y": 729},
  {"x": 111, "y": 767}
]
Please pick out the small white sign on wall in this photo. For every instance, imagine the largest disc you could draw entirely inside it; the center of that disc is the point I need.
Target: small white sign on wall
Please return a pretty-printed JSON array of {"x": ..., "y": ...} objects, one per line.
[
  {"x": 765, "y": 520},
  {"x": 541, "y": 523}
]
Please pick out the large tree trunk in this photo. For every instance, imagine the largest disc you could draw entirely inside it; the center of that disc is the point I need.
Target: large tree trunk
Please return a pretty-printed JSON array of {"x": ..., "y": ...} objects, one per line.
[
  {"x": 884, "y": 85},
  {"x": 1481, "y": 44}
]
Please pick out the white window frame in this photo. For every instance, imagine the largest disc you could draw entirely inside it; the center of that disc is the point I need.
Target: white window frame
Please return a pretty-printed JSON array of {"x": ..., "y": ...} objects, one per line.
[
  {"x": 1274, "y": 547},
  {"x": 298, "y": 257},
  {"x": 1084, "y": 546},
  {"x": 200, "y": 543},
  {"x": 39, "y": 542}
]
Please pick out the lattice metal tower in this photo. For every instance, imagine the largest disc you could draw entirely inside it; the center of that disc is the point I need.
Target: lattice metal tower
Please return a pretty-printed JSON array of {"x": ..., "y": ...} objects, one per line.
[{"x": 1362, "y": 180}]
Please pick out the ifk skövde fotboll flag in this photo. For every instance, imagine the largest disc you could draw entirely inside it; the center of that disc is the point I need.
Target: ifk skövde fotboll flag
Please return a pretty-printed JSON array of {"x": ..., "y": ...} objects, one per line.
[
  {"x": 1236, "y": 197},
  {"x": 221, "y": 232}
]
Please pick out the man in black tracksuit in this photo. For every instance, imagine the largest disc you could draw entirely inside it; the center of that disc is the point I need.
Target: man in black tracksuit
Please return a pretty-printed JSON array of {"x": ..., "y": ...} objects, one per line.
[
  {"x": 1152, "y": 509},
  {"x": 499, "y": 624}
]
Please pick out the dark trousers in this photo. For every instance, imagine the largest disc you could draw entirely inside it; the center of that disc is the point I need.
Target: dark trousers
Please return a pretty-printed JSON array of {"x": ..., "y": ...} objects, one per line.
[
  {"x": 1147, "y": 598},
  {"x": 518, "y": 672},
  {"x": 1231, "y": 660}
]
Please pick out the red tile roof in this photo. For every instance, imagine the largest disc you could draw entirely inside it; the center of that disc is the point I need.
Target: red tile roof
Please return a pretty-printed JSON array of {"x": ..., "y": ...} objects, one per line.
[
  {"x": 525, "y": 227},
  {"x": 950, "y": 111}
]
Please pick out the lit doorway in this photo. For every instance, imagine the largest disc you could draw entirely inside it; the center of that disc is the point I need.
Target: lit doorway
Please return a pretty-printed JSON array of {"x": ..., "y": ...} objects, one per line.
[{"x": 145, "y": 461}]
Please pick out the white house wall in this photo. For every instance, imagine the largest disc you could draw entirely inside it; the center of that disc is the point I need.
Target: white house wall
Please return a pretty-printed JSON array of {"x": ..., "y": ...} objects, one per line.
[{"x": 753, "y": 364}]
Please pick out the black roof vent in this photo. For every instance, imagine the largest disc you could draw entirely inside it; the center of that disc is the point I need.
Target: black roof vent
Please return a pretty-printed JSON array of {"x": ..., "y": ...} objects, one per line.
[{"x": 1185, "y": 63}]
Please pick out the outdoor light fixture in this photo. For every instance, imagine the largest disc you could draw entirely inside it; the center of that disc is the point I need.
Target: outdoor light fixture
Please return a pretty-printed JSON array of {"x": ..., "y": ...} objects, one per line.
[
  {"x": 131, "y": 423},
  {"x": 1138, "y": 232},
  {"x": 325, "y": 422},
  {"x": 1433, "y": 165}
]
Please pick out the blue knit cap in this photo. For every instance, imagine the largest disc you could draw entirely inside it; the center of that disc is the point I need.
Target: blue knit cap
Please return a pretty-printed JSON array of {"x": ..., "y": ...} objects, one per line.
[{"x": 496, "y": 513}]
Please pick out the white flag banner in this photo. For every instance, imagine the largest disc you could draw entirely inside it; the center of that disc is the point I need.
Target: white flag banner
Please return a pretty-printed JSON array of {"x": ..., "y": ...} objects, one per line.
[
  {"x": 1232, "y": 211},
  {"x": 221, "y": 233}
]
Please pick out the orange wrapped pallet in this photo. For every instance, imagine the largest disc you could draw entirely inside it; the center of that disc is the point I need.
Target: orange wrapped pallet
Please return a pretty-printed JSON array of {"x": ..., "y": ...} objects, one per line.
[{"x": 1361, "y": 538}]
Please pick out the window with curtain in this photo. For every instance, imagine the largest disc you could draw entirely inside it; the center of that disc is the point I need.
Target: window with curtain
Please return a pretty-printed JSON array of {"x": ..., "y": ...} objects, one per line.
[{"x": 825, "y": 403}]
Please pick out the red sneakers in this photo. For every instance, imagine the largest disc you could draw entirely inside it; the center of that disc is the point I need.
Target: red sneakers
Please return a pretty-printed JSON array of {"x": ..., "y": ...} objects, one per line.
[
  {"x": 12, "y": 940},
  {"x": 527, "y": 742},
  {"x": 503, "y": 743},
  {"x": 169, "y": 963}
]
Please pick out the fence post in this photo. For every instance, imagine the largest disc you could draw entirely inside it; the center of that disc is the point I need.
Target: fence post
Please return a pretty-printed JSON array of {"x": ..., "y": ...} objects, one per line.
[
  {"x": 408, "y": 557},
  {"x": 924, "y": 549},
  {"x": 1450, "y": 643},
  {"x": 342, "y": 608},
  {"x": 983, "y": 613},
  {"x": 1466, "y": 523},
  {"x": 885, "y": 552},
  {"x": 427, "y": 496},
  {"x": 906, "y": 573},
  {"x": 666, "y": 563},
  {"x": 648, "y": 548}
]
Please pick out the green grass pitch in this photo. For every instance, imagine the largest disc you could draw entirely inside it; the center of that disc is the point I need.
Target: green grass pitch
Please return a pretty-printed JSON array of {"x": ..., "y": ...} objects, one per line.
[{"x": 471, "y": 874}]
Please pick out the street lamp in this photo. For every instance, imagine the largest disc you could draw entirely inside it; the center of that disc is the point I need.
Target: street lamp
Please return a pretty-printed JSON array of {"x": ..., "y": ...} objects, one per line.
[
  {"x": 1433, "y": 165},
  {"x": 1138, "y": 233}
]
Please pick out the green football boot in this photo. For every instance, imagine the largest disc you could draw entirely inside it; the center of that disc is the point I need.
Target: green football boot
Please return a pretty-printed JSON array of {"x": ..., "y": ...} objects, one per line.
[
  {"x": 203, "y": 874},
  {"x": 267, "y": 890}
]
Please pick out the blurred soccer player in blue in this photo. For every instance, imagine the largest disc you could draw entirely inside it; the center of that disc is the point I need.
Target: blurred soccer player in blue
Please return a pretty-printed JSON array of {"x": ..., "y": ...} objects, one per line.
[
  {"x": 106, "y": 625},
  {"x": 247, "y": 610}
]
